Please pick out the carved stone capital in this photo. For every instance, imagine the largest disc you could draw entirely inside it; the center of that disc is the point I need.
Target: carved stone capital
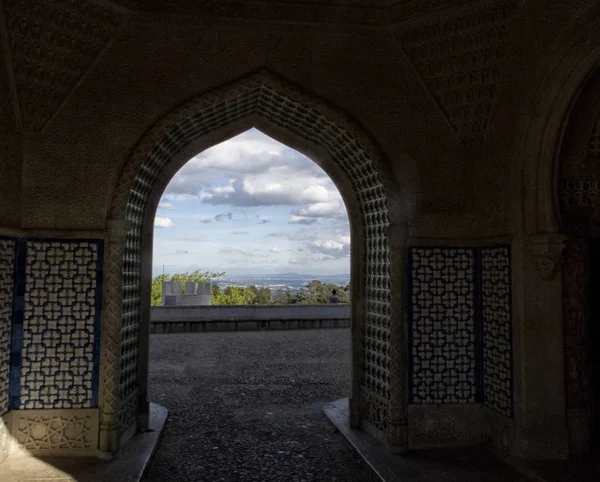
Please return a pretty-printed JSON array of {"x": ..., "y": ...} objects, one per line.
[
  {"x": 117, "y": 230},
  {"x": 547, "y": 253}
]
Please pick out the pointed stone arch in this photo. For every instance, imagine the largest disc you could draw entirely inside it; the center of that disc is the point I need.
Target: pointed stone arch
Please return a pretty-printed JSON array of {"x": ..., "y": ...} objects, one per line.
[{"x": 375, "y": 206}]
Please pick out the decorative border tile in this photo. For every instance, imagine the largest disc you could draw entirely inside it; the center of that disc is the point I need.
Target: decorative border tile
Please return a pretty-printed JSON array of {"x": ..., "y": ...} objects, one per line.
[{"x": 7, "y": 269}]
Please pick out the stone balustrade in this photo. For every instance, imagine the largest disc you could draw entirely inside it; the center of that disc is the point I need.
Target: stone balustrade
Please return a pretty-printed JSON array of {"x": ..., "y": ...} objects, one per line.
[{"x": 166, "y": 319}]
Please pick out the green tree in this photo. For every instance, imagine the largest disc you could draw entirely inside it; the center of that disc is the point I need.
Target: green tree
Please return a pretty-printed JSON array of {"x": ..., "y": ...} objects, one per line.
[
  {"x": 156, "y": 293},
  {"x": 235, "y": 295}
]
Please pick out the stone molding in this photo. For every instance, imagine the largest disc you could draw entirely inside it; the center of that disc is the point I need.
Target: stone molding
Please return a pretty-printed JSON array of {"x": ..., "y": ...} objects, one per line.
[
  {"x": 111, "y": 333},
  {"x": 437, "y": 426},
  {"x": 546, "y": 251}
]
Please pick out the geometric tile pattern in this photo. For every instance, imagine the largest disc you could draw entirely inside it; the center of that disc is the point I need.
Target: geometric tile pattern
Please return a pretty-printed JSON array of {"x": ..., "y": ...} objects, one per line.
[
  {"x": 459, "y": 57},
  {"x": 442, "y": 333},
  {"x": 52, "y": 45},
  {"x": 497, "y": 329},
  {"x": 7, "y": 280},
  {"x": 265, "y": 96},
  {"x": 460, "y": 326},
  {"x": 42, "y": 430},
  {"x": 61, "y": 322}
]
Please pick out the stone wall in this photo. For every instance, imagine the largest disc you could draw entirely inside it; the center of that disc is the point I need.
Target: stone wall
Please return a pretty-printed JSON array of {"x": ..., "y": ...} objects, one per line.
[{"x": 251, "y": 317}]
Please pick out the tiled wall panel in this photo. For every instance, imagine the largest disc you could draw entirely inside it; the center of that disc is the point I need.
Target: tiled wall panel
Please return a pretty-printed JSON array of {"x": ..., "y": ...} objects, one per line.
[
  {"x": 497, "y": 329},
  {"x": 460, "y": 326},
  {"x": 443, "y": 348},
  {"x": 59, "y": 360}
]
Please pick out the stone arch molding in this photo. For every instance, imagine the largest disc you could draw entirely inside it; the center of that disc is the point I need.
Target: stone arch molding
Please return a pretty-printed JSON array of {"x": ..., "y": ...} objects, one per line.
[{"x": 377, "y": 401}]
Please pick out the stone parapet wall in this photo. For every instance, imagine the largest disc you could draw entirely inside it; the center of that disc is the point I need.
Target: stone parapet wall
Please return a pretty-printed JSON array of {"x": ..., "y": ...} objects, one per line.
[{"x": 248, "y": 317}]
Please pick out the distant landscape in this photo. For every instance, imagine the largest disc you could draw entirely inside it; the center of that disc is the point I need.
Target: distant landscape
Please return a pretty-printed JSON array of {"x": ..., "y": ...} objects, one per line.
[
  {"x": 285, "y": 288},
  {"x": 285, "y": 281}
]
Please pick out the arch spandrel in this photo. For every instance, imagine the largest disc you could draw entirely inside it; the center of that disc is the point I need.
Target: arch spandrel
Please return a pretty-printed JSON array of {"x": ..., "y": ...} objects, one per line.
[{"x": 366, "y": 183}]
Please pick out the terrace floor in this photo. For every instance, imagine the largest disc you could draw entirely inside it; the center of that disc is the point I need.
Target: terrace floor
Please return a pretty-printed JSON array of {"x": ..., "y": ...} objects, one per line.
[{"x": 247, "y": 406}]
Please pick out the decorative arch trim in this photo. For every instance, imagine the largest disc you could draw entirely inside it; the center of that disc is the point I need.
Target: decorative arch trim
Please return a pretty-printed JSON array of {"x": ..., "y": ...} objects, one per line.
[{"x": 378, "y": 353}]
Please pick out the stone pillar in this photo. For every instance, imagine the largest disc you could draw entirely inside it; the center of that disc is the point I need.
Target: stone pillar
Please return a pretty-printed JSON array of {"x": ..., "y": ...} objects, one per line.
[
  {"x": 541, "y": 431},
  {"x": 357, "y": 320},
  {"x": 396, "y": 428},
  {"x": 111, "y": 339},
  {"x": 143, "y": 417}
]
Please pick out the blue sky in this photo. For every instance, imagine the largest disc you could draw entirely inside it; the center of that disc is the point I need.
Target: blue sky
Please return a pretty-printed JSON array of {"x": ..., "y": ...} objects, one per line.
[{"x": 252, "y": 205}]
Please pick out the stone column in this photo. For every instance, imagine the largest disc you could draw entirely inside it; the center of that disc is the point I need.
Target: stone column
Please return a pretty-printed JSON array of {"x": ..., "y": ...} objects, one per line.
[
  {"x": 357, "y": 320},
  {"x": 396, "y": 428},
  {"x": 541, "y": 431},
  {"x": 111, "y": 338},
  {"x": 143, "y": 418}
]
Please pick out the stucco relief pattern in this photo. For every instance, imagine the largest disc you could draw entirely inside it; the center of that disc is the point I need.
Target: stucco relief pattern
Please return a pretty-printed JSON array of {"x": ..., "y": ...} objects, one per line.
[
  {"x": 7, "y": 263},
  {"x": 267, "y": 96},
  {"x": 443, "y": 351},
  {"x": 59, "y": 359},
  {"x": 39, "y": 431},
  {"x": 52, "y": 44},
  {"x": 459, "y": 55},
  {"x": 497, "y": 329}
]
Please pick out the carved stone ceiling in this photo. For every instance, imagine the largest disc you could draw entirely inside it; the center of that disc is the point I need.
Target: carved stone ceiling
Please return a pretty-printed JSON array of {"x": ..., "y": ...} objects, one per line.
[
  {"x": 456, "y": 46},
  {"x": 460, "y": 57},
  {"x": 51, "y": 46}
]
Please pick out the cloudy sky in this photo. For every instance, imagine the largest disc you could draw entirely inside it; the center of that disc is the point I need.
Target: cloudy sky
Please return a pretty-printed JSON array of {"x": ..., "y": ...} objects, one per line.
[{"x": 252, "y": 205}]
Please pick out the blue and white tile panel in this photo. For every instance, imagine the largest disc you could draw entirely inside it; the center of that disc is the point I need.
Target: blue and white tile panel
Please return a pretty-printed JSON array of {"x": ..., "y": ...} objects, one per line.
[
  {"x": 460, "y": 326},
  {"x": 59, "y": 284},
  {"x": 442, "y": 334}
]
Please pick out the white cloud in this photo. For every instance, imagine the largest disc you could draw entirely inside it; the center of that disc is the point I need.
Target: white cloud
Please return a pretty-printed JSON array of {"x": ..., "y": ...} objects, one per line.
[
  {"x": 301, "y": 220},
  {"x": 206, "y": 220},
  {"x": 275, "y": 250},
  {"x": 239, "y": 232},
  {"x": 166, "y": 205},
  {"x": 329, "y": 209},
  {"x": 223, "y": 189},
  {"x": 160, "y": 222}
]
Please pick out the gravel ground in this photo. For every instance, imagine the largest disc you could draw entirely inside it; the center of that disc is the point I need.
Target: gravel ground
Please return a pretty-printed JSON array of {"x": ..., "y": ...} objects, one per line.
[{"x": 247, "y": 406}]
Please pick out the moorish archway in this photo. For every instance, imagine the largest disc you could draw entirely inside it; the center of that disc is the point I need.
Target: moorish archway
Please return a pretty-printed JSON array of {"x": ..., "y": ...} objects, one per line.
[
  {"x": 579, "y": 208},
  {"x": 365, "y": 180}
]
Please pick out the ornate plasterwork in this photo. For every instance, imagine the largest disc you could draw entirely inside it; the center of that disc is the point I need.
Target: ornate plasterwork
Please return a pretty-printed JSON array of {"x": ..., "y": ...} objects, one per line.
[
  {"x": 47, "y": 431},
  {"x": 459, "y": 55},
  {"x": 265, "y": 96},
  {"x": 546, "y": 252},
  {"x": 52, "y": 45}
]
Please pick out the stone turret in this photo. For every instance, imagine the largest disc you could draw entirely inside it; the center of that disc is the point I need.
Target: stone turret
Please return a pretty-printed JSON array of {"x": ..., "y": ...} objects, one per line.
[{"x": 194, "y": 294}]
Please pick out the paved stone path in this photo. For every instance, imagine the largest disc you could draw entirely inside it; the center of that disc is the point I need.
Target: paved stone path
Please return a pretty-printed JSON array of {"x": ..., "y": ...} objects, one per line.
[{"x": 247, "y": 407}]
